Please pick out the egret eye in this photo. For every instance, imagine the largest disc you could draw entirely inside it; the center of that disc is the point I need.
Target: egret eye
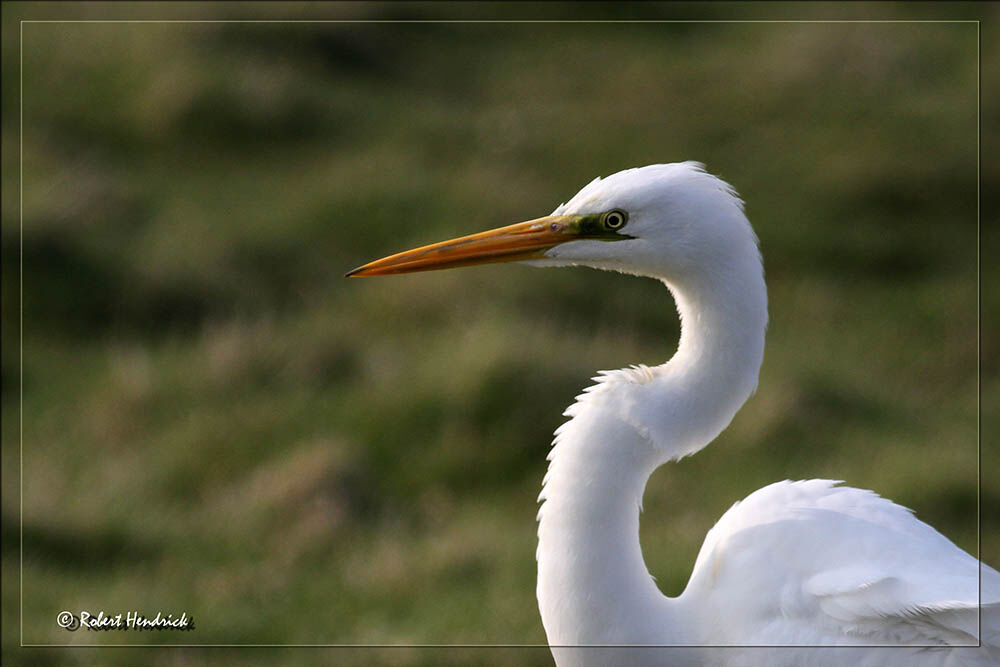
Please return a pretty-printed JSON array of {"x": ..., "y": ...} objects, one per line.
[{"x": 615, "y": 219}]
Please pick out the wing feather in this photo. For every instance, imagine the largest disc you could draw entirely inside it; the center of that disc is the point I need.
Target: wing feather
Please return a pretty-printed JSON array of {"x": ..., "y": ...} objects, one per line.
[{"x": 857, "y": 565}]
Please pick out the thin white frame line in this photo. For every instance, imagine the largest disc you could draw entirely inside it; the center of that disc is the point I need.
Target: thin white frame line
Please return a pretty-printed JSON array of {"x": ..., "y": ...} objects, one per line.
[
  {"x": 499, "y": 21},
  {"x": 549, "y": 646},
  {"x": 20, "y": 329},
  {"x": 979, "y": 531},
  {"x": 979, "y": 332}
]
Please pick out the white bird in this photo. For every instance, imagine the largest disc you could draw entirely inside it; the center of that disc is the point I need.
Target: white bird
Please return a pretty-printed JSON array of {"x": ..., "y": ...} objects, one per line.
[{"x": 798, "y": 573}]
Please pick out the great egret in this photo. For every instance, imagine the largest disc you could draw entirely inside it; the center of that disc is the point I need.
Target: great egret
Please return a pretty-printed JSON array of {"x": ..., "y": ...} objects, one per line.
[{"x": 808, "y": 564}]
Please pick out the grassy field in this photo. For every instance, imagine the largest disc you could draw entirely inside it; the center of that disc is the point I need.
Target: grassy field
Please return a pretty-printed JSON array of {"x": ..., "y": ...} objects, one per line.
[{"x": 216, "y": 422}]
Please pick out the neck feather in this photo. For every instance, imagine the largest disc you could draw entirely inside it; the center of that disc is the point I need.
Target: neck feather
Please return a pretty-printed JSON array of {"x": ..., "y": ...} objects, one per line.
[{"x": 593, "y": 585}]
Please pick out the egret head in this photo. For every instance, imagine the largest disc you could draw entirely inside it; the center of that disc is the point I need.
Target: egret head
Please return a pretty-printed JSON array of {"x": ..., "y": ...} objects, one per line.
[{"x": 665, "y": 220}]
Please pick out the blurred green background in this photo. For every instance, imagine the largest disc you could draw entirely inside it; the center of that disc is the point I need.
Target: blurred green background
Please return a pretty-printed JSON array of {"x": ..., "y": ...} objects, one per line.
[{"x": 216, "y": 422}]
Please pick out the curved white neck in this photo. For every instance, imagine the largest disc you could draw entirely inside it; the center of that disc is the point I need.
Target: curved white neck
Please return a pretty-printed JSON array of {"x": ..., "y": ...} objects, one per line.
[{"x": 593, "y": 585}]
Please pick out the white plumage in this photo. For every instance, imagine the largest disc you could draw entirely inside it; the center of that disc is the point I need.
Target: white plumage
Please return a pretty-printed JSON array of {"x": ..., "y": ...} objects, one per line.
[{"x": 798, "y": 573}]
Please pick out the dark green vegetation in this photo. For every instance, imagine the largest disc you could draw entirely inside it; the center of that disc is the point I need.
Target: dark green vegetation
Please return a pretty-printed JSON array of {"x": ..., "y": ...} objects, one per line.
[{"x": 216, "y": 422}]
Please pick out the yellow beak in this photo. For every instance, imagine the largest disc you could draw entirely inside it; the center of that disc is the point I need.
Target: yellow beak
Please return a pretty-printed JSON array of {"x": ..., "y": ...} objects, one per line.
[{"x": 524, "y": 240}]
